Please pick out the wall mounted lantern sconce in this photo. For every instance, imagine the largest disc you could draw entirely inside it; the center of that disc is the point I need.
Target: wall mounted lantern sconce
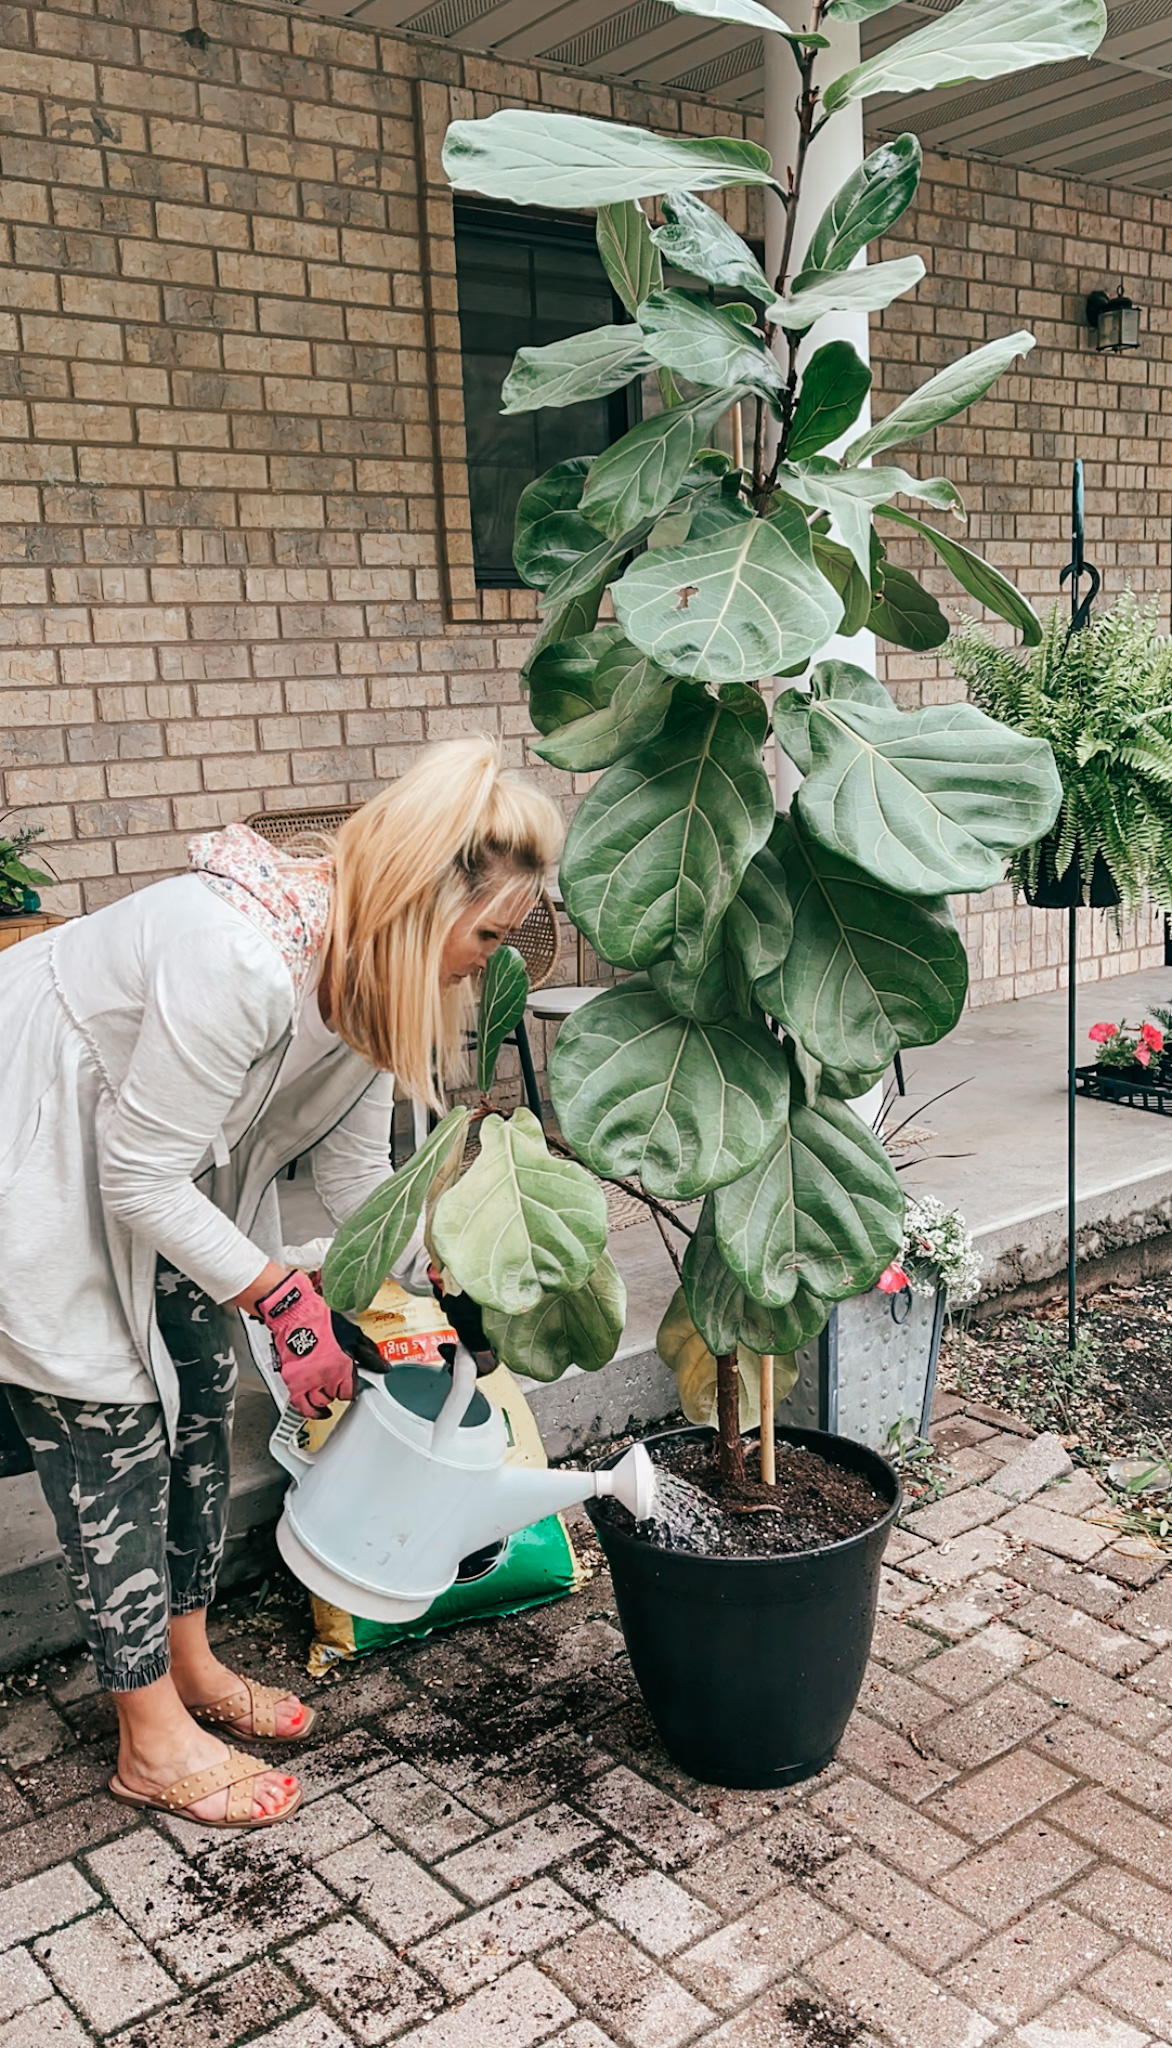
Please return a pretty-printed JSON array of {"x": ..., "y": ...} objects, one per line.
[{"x": 1115, "y": 322}]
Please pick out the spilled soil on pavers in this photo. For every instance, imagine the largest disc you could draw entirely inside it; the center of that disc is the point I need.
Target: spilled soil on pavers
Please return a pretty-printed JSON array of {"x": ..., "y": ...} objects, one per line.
[{"x": 1112, "y": 1396}]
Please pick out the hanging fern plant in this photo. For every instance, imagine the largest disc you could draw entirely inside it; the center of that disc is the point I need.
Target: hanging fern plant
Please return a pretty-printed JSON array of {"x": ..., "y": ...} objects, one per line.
[{"x": 1103, "y": 700}]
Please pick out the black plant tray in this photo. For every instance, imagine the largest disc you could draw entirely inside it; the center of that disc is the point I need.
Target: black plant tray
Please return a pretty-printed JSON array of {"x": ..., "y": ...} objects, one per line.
[{"x": 1113, "y": 1085}]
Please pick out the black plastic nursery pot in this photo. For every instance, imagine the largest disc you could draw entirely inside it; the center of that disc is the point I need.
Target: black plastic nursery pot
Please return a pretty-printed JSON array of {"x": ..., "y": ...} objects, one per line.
[{"x": 750, "y": 1666}]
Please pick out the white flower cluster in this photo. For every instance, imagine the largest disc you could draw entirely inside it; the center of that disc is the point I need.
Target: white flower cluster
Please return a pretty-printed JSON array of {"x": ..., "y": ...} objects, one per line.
[{"x": 938, "y": 1250}]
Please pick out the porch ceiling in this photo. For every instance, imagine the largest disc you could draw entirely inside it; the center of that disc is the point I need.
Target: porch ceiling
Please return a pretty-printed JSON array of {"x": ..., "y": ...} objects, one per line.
[{"x": 1108, "y": 120}]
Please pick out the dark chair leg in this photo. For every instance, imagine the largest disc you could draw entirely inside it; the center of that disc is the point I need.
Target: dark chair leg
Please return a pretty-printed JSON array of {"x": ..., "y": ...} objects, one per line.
[
  {"x": 521, "y": 1038},
  {"x": 899, "y": 1080}
]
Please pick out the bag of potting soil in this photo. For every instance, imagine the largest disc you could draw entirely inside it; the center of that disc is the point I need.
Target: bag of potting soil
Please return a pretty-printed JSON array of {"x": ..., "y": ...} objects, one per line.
[{"x": 535, "y": 1566}]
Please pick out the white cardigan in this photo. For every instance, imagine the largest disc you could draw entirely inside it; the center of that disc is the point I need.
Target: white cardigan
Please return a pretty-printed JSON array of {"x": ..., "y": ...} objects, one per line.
[{"x": 142, "y": 1111}]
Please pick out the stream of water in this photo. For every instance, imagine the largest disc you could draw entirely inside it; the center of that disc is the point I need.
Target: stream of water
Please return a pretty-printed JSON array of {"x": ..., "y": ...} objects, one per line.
[{"x": 683, "y": 1518}]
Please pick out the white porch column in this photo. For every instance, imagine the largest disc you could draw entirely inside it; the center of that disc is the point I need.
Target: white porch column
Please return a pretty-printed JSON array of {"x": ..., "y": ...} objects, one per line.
[{"x": 829, "y": 162}]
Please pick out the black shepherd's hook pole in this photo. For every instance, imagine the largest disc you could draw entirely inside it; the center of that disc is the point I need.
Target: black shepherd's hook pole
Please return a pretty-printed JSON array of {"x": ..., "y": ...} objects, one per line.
[{"x": 1080, "y": 615}]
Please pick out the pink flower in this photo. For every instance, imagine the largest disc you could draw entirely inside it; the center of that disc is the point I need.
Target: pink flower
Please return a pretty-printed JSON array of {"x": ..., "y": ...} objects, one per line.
[
  {"x": 1102, "y": 1032},
  {"x": 1143, "y": 1054},
  {"x": 1153, "y": 1037},
  {"x": 892, "y": 1281}
]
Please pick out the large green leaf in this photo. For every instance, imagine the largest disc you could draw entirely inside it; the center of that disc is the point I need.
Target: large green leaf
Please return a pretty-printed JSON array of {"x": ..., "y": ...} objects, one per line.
[
  {"x": 867, "y": 290},
  {"x": 823, "y": 1210},
  {"x": 857, "y": 10},
  {"x": 628, "y": 253},
  {"x": 580, "y": 578},
  {"x": 724, "y": 1317},
  {"x": 637, "y": 697},
  {"x": 751, "y": 12},
  {"x": 686, "y": 1355},
  {"x": 719, "y": 1307},
  {"x": 583, "y": 1328},
  {"x": 696, "y": 239},
  {"x": 843, "y": 574},
  {"x": 590, "y": 365},
  {"x": 562, "y": 622},
  {"x": 978, "y": 39},
  {"x": 550, "y": 533},
  {"x": 367, "y": 1246},
  {"x": 759, "y": 925},
  {"x": 869, "y": 970},
  {"x": 706, "y": 992},
  {"x": 520, "y": 1224},
  {"x": 567, "y": 160},
  {"x": 834, "y": 384},
  {"x": 716, "y": 346},
  {"x": 800, "y": 1320},
  {"x": 563, "y": 678},
  {"x": 907, "y": 614},
  {"x": 928, "y": 801},
  {"x": 944, "y": 395},
  {"x": 658, "y": 847},
  {"x": 743, "y": 600},
  {"x": 851, "y": 495},
  {"x": 638, "y": 477},
  {"x": 977, "y": 576},
  {"x": 503, "y": 996},
  {"x": 684, "y": 1105},
  {"x": 870, "y": 202}
]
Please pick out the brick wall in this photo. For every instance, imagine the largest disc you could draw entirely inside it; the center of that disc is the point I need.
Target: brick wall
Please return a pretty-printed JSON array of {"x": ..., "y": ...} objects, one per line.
[
  {"x": 235, "y": 563},
  {"x": 1008, "y": 249}
]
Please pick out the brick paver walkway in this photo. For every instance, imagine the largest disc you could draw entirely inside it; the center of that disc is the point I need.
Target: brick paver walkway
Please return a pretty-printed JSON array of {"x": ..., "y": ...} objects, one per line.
[{"x": 496, "y": 1853}]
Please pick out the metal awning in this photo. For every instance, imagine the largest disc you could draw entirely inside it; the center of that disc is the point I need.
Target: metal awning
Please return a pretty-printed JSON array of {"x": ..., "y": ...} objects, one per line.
[{"x": 1107, "y": 119}]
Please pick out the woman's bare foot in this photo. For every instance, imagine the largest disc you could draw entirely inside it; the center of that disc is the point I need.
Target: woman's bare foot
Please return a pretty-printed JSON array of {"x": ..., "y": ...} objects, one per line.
[
  {"x": 202, "y": 1681},
  {"x": 159, "y": 1744}
]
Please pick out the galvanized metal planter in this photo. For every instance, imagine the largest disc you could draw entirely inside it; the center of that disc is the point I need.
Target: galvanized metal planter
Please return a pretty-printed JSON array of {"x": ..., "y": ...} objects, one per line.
[{"x": 872, "y": 1367}]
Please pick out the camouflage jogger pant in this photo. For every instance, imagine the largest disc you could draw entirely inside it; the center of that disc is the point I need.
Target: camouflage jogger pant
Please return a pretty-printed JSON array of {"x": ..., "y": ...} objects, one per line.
[{"x": 142, "y": 1528}]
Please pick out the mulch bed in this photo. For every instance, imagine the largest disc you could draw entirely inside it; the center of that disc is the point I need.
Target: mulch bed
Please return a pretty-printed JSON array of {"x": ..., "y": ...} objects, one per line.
[{"x": 1111, "y": 1398}]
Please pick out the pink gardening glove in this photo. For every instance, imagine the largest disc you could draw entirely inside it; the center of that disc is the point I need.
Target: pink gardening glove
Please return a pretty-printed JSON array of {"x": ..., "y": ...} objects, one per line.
[{"x": 310, "y": 1359}]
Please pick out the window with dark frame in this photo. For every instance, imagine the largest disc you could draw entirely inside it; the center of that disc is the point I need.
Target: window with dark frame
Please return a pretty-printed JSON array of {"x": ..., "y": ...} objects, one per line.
[{"x": 524, "y": 280}]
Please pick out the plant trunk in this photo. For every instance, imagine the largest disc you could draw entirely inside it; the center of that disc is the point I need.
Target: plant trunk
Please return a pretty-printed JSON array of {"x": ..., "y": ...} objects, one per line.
[{"x": 730, "y": 1455}]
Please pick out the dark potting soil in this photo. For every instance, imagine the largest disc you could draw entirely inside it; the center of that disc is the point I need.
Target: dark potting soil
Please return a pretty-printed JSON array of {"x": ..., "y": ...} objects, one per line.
[{"x": 814, "y": 1502}]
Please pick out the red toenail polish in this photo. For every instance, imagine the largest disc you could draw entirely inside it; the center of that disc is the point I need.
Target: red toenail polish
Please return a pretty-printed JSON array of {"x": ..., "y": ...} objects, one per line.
[
  {"x": 298, "y": 1717},
  {"x": 290, "y": 1782}
]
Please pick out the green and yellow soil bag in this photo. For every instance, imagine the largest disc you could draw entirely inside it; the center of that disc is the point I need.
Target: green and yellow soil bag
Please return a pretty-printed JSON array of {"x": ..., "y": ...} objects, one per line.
[{"x": 536, "y": 1565}]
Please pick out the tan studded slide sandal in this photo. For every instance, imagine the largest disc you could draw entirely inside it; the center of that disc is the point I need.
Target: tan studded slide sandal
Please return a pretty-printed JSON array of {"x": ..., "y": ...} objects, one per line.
[
  {"x": 255, "y": 1703},
  {"x": 236, "y": 1772}
]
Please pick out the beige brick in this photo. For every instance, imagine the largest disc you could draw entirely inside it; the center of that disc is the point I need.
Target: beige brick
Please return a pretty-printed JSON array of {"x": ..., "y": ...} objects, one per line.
[
  {"x": 45, "y": 707},
  {"x": 54, "y": 785},
  {"x": 111, "y": 381},
  {"x": 208, "y": 227},
  {"x": 99, "y": 341},
  {"x": 199, "y": 143},
  {"x": 146, "y": 623},
  {"x": 260, "y": 274},
  {"x": 56, "y": 77},
  {"x": 109, "y": 299}
]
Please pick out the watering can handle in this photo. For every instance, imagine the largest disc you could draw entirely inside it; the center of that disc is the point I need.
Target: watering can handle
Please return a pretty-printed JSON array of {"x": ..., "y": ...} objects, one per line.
[{"x": 455, "y": 1407}]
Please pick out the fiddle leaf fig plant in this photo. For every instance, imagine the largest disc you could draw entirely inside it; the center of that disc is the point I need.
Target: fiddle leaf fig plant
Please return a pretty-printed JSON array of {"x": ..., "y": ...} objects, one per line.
[{"x": 774, "y": 964}]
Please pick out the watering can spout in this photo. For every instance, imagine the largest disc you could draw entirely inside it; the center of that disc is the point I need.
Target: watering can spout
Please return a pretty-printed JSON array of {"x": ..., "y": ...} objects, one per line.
[{"x": 520, "y": 1496}]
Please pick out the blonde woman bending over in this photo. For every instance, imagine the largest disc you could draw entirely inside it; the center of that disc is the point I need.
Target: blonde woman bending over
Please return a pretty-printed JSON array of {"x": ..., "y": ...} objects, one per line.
[{"x": 164, "y": 1059}]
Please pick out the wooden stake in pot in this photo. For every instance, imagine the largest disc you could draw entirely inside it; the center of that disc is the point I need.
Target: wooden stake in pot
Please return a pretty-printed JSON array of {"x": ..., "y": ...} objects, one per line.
[{"x": 768, "y": 1442}]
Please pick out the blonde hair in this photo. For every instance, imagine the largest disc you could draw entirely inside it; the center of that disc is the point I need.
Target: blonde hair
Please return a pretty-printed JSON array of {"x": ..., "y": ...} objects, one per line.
[{"x": 454, "y": 831}]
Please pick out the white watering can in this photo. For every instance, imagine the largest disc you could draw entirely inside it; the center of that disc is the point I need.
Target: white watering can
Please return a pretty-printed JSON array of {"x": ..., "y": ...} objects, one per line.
[{"x": 412, "y": 1480}]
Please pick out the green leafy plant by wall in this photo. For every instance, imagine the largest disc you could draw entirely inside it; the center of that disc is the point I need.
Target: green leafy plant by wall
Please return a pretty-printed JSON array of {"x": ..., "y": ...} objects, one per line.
[
  {"x": 774, "y": 963},
  {"x": 1102, "y": 699}
]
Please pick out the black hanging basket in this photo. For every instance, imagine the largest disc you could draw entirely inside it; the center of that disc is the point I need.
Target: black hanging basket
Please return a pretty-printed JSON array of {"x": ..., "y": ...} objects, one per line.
[{"x": 1065, "y": 891}]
